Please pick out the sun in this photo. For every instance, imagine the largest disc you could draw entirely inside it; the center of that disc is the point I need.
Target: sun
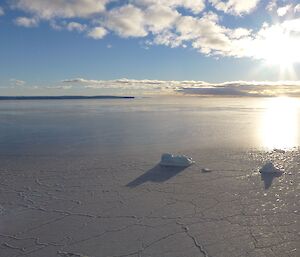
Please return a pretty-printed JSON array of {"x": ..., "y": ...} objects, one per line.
[
  {"x": 279, "y": 47},
  {"x": 282, "y": 55},
  {"x": 281, "y": 50}
]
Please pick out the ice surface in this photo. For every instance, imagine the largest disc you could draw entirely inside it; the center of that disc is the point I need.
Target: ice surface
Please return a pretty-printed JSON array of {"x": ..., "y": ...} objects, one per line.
[
  {"x": 64, "y": 192},
  {"x": 168, "y": 159}
]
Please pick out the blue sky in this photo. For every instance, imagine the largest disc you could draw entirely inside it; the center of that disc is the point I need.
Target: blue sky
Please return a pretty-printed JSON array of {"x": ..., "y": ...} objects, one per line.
[{"x": 136, "y": 46}]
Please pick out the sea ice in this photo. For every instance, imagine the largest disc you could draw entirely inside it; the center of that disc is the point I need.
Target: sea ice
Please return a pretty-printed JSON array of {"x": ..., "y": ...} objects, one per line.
[{"x": 175, "y": 160}]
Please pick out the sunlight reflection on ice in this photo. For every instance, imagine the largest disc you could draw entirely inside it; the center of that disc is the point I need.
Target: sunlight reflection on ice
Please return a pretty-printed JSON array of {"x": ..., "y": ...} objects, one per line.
[{"x": 279, "y": 125}]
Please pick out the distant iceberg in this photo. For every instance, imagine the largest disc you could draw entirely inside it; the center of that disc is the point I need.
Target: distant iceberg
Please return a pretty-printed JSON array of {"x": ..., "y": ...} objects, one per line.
[{"x": 175, "y": 160}]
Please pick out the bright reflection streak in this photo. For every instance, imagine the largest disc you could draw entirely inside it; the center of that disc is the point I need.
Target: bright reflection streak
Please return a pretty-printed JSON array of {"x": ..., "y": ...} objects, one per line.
[{"x": 279, "y": 126}]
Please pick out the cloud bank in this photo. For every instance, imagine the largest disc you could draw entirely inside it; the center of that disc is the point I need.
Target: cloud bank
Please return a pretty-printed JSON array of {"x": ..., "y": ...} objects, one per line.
[
  {"x": 174, "y": 23},
  {"x": 137, "y": 87},
  {"x": 231, "y": 88}
]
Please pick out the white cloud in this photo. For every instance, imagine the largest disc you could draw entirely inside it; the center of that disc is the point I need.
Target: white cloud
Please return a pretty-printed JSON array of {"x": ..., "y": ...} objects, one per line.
[
  {"x": 297, "y": 8},
  {"x": 69, "y": 26},
  {"x": 127, "y": 21},
  {"x": 240, "y": 33},
  {"x": 271, "y": 5},
  {"x": 196, "y": 6},
  {"x": 292, "y": 25},
  {"x": 159, "y": 18},
  {"x": 206, "y": 35},
  {"x": 277, "y": 43},
  {"x": 167, "y": 38},
  {"x": 27, "y": 22},
  {"x": 141, "y": 17},
  {"x": 1, "y": 11},
  {"x": 97, "y": 33},
  {"x": 48, "y": 9},
  {"x": 283, "y": 10},
  {"x": 75, "y": 26},
  {"x": 17, "y": 82},
  {"x": 235, "y": 7}
]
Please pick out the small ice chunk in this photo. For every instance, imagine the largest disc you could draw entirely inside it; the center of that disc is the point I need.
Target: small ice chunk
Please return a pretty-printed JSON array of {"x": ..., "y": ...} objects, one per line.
[
  {"x": 279, "y": 150},
  {"x": 269, "y": 168},
  {"x": 175, "y": 160},
  {"x": 205, "y": 170}
]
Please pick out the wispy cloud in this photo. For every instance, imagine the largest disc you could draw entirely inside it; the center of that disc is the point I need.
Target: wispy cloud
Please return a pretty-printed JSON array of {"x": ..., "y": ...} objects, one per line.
[
  {"x": 69, "y": 26},
  {"x": 1, "y": 11},
  {"x": 27, "y": 22},
  {"x": 17, "y": 82},
  {"x": 132, "y": 84}
]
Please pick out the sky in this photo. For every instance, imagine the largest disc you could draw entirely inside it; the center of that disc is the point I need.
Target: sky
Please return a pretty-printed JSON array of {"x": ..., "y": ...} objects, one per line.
[{"x": 97, "y": 47}]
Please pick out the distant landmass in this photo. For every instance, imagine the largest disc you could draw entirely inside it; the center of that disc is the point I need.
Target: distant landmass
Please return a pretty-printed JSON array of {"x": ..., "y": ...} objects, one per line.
[{"x": 62, "y": 97}]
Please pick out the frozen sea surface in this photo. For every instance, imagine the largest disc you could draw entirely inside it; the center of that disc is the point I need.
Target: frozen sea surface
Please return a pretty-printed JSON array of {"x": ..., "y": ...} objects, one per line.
[
  {"x": 81, "y": 178},
  {"x": 89, "y": 126}
]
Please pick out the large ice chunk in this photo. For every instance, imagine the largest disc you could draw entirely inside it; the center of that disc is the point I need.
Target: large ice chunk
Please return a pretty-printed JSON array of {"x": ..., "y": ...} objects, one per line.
[{"x": 168, "y": 159}]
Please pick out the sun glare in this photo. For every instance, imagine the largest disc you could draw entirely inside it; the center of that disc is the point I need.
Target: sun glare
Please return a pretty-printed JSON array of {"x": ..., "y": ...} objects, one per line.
[
  {"x": 279, "y": 125},
  {"x": 282, "y": 51},
  {"x": 280, "y": 48}
]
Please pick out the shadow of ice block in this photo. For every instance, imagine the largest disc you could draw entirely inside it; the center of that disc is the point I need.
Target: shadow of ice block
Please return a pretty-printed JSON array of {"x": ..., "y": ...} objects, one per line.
[
  {"x": 1, "y": 210},
  {"x": 175, "y": 160},
  {"x": 268, "y": 173},
  {"x": 269, "y": 168}
]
